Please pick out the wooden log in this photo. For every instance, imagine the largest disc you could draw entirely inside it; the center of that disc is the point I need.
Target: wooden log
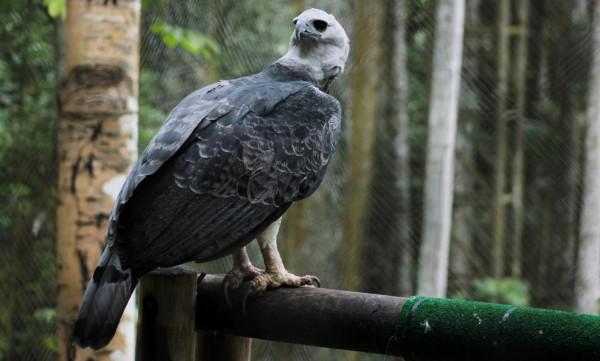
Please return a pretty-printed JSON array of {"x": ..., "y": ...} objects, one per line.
[
  {"x": 167, "y": 307},
  {"x": 214, "y": 346},
  {"x": 311, "y": 316},
  {"x": 418, "y": 328}
]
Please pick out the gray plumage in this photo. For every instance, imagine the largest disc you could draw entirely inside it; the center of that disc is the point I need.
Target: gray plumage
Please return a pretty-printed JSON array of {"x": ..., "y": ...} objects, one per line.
[
  {"x": 265, "y": 146},
  {"x": 230, "y": 160}
]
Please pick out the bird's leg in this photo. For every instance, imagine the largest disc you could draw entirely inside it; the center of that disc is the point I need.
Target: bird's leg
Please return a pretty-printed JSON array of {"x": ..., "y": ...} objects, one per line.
[
  {"x": 242, "y": 270},
  {"x": 245, "y": 279},
  {"x": 275, "y": 274}
]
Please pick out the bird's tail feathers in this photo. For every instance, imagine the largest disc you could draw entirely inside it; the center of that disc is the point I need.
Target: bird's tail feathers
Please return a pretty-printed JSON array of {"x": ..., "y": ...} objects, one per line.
[{"x": 104, "y": 301}]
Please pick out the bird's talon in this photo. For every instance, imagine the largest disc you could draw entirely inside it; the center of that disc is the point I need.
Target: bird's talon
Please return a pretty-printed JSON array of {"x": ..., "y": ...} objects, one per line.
[
  {"x": 242, "y": 285},
  {"x": 245, "y": 291},
  {"x": 225, "y": 291}
]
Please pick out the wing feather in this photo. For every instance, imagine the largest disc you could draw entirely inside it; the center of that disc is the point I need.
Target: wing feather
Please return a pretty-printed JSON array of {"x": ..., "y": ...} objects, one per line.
[{"x": 231, "y": 178}]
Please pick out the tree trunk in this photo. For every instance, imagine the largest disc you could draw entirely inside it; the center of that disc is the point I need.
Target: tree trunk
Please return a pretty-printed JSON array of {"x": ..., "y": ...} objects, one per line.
[
  {"x": 563, "y": 168},
  {"x": 400, "y": 123},
  {"x": 518, "y": 172},
  {"x": 294, "y": 228},
  {"x": 433, "y": 264},
  {"x": 501, "y": 138},
  {"x": 463, "y": 259},
  {"x": 364, "y": 115},
  {"x": 588, "y": 271},
  {"x": 97, "y": 144},
  {"x": 388, "y": 237},
  {"x": 536, "y": 92}
]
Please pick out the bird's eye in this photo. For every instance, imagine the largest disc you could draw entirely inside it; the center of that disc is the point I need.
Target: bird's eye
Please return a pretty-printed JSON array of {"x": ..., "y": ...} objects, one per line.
[
  {"x": 295, "y": 21},
  {"x": 320, "y": 25}
]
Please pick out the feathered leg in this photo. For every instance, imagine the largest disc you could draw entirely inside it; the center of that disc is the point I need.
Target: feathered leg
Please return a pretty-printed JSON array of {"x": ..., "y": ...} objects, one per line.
[
  {"x": 275, "y": 274},
  {"x": 248, "y": 280}
]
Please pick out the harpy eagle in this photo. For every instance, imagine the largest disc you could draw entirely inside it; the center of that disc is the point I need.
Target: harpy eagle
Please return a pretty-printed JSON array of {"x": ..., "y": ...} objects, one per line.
[{"x": 226, "y": 165}]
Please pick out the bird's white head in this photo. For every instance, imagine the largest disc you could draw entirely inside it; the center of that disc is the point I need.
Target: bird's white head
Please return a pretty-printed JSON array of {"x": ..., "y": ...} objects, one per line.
[{"x": 319, "y": 43}]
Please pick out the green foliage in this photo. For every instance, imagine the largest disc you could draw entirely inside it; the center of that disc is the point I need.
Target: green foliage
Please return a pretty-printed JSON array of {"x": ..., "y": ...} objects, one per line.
[
  {"x": 3, "y": 348},
  {"x": 28, "y": 118},
  {"x": 186, "y": 45},
  {"x": 507, "y": 290},
  {"x": 192, "y": 41},
  {"x": 50, "y": 342},
  {"x": 45, "y": 314},
  {"x": 259, "y": 39},
  {"x": 149, "y": 3},
  {"x": 151, "y": 116},
  {"x": 56, "y": 8},
  {"x": 47, "y": 317}
]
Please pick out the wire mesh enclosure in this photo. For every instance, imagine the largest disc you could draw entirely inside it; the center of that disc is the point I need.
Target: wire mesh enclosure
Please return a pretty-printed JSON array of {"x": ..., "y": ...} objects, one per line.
[{"x": 525, "y": 108}]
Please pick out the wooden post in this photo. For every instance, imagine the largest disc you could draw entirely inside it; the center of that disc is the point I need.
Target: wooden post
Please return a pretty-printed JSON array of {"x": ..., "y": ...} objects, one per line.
[
  {"x": 167, "y": 316},
  {"x": 213, "y": 346},
  {"x": 167, "y": 327}
]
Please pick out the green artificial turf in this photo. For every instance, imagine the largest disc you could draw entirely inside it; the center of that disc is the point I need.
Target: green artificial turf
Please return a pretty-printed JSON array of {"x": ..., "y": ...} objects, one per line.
[{"x": 445, "y": 329}]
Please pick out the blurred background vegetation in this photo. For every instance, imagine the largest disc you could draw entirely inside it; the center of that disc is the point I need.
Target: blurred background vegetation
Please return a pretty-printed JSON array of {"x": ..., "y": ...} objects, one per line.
[{"x": 529, "y": 258}]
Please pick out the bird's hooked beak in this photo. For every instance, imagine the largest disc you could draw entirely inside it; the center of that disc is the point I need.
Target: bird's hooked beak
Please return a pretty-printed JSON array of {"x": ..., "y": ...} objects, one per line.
[{"x": 305, "y": 29}]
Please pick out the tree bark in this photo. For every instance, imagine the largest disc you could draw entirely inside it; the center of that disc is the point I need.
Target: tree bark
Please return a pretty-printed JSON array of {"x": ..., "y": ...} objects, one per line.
[
  {"x": 97, "y": 144},
  {"x": 433, "y": 264},
  {"x": 463, "y": 259},
  {"x": 561, "y": 193},
  {"x": 364, "y": 114},
  {"x": 518, "y": 172},
  {"x": 294, "y": 228},
  {"x": 588, "y": 270},
  {"x": 388, "y": 237},
  {"x": 501, "y": 138},
  {"x": 400, "y": 122}
]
